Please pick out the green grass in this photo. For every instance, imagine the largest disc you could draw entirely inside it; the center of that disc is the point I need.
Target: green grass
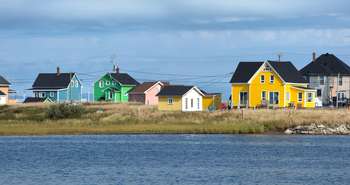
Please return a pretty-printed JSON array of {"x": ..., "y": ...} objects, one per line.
[{"x": 138, "y": 119}]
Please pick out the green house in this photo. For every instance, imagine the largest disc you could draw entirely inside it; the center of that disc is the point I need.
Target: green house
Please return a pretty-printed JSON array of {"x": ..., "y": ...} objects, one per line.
[{"x": 114, "y": 87}]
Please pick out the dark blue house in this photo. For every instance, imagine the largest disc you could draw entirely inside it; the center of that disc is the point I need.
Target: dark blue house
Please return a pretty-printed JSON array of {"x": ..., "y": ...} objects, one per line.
[{"x": 58, "y": 87}]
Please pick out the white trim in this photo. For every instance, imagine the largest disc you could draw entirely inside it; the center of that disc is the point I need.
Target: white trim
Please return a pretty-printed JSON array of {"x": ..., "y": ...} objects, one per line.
[
  {"x": 301, "y": 97},
  {"x": 158, "y": 82},
  {"x": 298, "y": 88},
  {"x": 196, "y": 89},
  {"x": 256, "y": 73}
]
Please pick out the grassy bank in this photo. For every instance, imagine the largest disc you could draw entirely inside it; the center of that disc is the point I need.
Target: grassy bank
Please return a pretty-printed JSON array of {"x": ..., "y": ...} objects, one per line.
[{"x": 122, "y": 118}]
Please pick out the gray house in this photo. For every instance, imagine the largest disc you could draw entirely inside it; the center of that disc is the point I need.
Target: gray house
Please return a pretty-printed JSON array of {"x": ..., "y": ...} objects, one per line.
[{"x": 330, "y": 76}]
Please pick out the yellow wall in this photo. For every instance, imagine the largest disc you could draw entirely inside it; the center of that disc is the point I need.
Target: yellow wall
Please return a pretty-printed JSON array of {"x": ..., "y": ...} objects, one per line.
[
  {"x": 236, "y": 88},
  {"x": 163, "y": 103},
  {"x": 255, "y": 89},
  {"x": 208, "y": 101},
  {"x": 303, "y": 103}
]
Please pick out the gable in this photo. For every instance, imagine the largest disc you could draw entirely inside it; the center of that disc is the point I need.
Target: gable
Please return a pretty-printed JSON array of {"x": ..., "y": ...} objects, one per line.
[{"x": 245, "y": 71}]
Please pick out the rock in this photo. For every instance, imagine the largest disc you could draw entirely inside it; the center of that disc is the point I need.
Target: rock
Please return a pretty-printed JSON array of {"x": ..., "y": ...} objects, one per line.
[{"x": 288, "y": 131}]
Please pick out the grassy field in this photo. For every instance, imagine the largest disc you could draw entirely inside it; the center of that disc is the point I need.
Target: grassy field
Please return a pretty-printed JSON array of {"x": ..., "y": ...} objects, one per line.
[{"x": 139, "y": 119}]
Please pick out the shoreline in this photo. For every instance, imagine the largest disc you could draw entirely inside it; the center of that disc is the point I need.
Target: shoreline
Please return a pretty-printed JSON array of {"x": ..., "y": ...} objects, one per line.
[{"x": 117, "y": 119}]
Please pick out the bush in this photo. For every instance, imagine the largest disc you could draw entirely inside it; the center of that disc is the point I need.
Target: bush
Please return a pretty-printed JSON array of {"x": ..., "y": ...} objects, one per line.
[{"x": 64, "y": 111}]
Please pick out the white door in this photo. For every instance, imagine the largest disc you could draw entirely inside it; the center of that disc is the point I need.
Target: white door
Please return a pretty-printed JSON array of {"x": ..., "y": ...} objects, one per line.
[{"x": 2, "y": 100}]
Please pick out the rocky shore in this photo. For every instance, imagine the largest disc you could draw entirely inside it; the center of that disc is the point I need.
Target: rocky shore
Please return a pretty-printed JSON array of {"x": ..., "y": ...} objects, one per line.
[{"x": 320, "y": 129}]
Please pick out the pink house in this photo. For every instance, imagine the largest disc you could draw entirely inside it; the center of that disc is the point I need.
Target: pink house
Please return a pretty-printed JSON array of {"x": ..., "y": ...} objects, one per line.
[{"x": 146, "y": 92}]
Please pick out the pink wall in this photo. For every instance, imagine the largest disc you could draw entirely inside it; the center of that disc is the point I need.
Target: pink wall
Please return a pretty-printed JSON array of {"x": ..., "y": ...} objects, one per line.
[{"x": 151, "y": 98}]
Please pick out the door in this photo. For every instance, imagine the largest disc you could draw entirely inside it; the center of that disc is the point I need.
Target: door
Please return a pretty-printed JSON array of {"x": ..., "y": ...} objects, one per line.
[
  {"x": 2, "y": 100},
  {"x": 274, "y": 99},
  {"x": 243, "y": 99}
]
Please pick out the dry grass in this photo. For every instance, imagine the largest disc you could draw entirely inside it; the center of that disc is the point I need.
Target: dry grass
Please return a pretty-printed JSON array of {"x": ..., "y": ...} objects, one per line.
[{"x": 133, "y": 118}]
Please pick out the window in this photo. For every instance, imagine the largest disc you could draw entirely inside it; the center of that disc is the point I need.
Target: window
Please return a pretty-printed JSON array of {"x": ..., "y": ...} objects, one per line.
[
  {"x": 263, "y": 95},
  {"x": 76, "y": 83},
  {"x": 262, "y": 79},
  {"x": 287, "y": 96},
  {"x": 52, "y": 94},
  {"x": 272, "y": 79},
  {"x": 191, "y": 103},
  {"x": 186, "y": 103},
  {"x": 321, "y": 80},
  {"x": 267, "y": 68},
  {"x": 340, "y": 81},
  {"x": 110, "y": 95},
  {"x": 319, "y": 92},
  {"x": 274, "y": 100},
  {"x": 170, "y": 100},
  {"x": 341, "y": 96},
  {"x": 101, "y": 84},
  {"x": 309, "y": 97},
  {"x": 243, "y": 98},
  {"x": 300, "y": 97},
  {"x": 42, "y": 95},
  {"x": 198, "y": 103},
  {"x": 108, "y": 83}
]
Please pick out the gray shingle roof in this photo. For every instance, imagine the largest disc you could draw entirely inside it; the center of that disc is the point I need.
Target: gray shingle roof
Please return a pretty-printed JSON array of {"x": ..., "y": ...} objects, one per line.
[
  {"x": 327, "y": 65},
  {"x": 174, "y": 90},
  {"x": 52, "y": 81},
  {"x": 124, "y": 78},
  {"x": 3, "y": 81},
  {"x": 245, "y": 71}
]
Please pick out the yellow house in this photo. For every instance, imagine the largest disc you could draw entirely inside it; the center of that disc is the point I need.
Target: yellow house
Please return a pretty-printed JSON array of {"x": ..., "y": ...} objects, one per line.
[
  {"x": 187, "y": 99},
  {"x": 270, "y": 84}
]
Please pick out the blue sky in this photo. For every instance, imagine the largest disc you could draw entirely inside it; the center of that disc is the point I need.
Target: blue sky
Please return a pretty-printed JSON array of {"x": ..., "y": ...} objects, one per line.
[{"x": 194, "y": 41}]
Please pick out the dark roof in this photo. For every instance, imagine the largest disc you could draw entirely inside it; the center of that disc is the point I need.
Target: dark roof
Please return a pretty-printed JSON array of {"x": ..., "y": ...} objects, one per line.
[
  {"x": 174, "y": 90},
  {"x": 52, "y": 81},
  {"x": 124, "y": 78},
  {"x": 288, "y": 72},
  {"x": 327, "y": 65},
  {"x": 3, "y": 81},
  {"x": 139, "y": 89},
  {"x": 2, "y": 93},
  {"x": 305, "y": 88},
  {"x": 34, "y": 100},
  {"x": 245, "y": 71}
]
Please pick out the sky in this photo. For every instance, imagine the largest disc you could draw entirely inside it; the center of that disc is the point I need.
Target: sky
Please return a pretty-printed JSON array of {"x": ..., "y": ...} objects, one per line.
[{"x": 192, "y": 42}]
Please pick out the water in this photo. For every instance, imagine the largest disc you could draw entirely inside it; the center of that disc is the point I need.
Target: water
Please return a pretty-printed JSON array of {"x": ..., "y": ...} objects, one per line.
[{"x": 175, "y": 159}]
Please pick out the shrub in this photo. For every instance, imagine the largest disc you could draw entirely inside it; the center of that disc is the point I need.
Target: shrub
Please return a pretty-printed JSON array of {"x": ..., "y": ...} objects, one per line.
[{"x": 64, "y": 111}]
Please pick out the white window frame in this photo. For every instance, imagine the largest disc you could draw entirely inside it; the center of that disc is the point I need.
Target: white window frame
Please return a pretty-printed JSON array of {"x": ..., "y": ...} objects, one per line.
[
  {"x": 240, "y": 102},
  {"x": 101, "y": 84},
  {"x": 52, "y": 94},
  {"x": 76, "y": 84},
  {"x": 300, "y": 100},
  {"x": 262, "y": 79},
  {"x": 262, "y": 97},
  {"x": 170, "y": 101},
  {"x": 192, "y": 103},
  {"x": 340, "y": 81},
  {"x": 272, "y": 79},
  {"x": 310, "y": 99},
  {"x": 108, "y": 83},
  {"x": 42, "y": 94},
  {"x": 273, "y": 97},
  {"x": 322, "y": 80},
  {"x": 186, "y": 103}
]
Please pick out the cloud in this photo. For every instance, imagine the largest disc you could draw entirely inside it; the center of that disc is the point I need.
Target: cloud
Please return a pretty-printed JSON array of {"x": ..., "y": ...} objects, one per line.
[{"x": 67, "y": 16}]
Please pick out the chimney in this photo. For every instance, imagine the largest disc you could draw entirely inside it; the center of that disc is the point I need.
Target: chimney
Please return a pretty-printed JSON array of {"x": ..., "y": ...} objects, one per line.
[
  {"x": 313, "y": 56},
  {"x": 117, "y": 70},
  {"x": 58, "y": 72}
]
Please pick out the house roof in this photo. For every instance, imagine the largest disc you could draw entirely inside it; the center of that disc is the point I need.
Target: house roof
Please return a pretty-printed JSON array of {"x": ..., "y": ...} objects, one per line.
[
  {"x": 174, "y": 90},
  {"x": 34, "y": 100},
  {"x": 124, "y": 78},
  {"x": 2, "y": 93},
  {"x": 3, "y": 81},
  {"x": 245, "y": 71},
  {"x": 142, "y": 87},
  {"x": 327, "y": 65},
  {"x": 287, "y": 71},
  {"x": 52, "y": 81}
]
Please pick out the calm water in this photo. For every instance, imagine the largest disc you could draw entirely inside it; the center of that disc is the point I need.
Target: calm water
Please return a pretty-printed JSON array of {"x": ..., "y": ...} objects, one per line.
[{"x": 174, "y": 159}]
